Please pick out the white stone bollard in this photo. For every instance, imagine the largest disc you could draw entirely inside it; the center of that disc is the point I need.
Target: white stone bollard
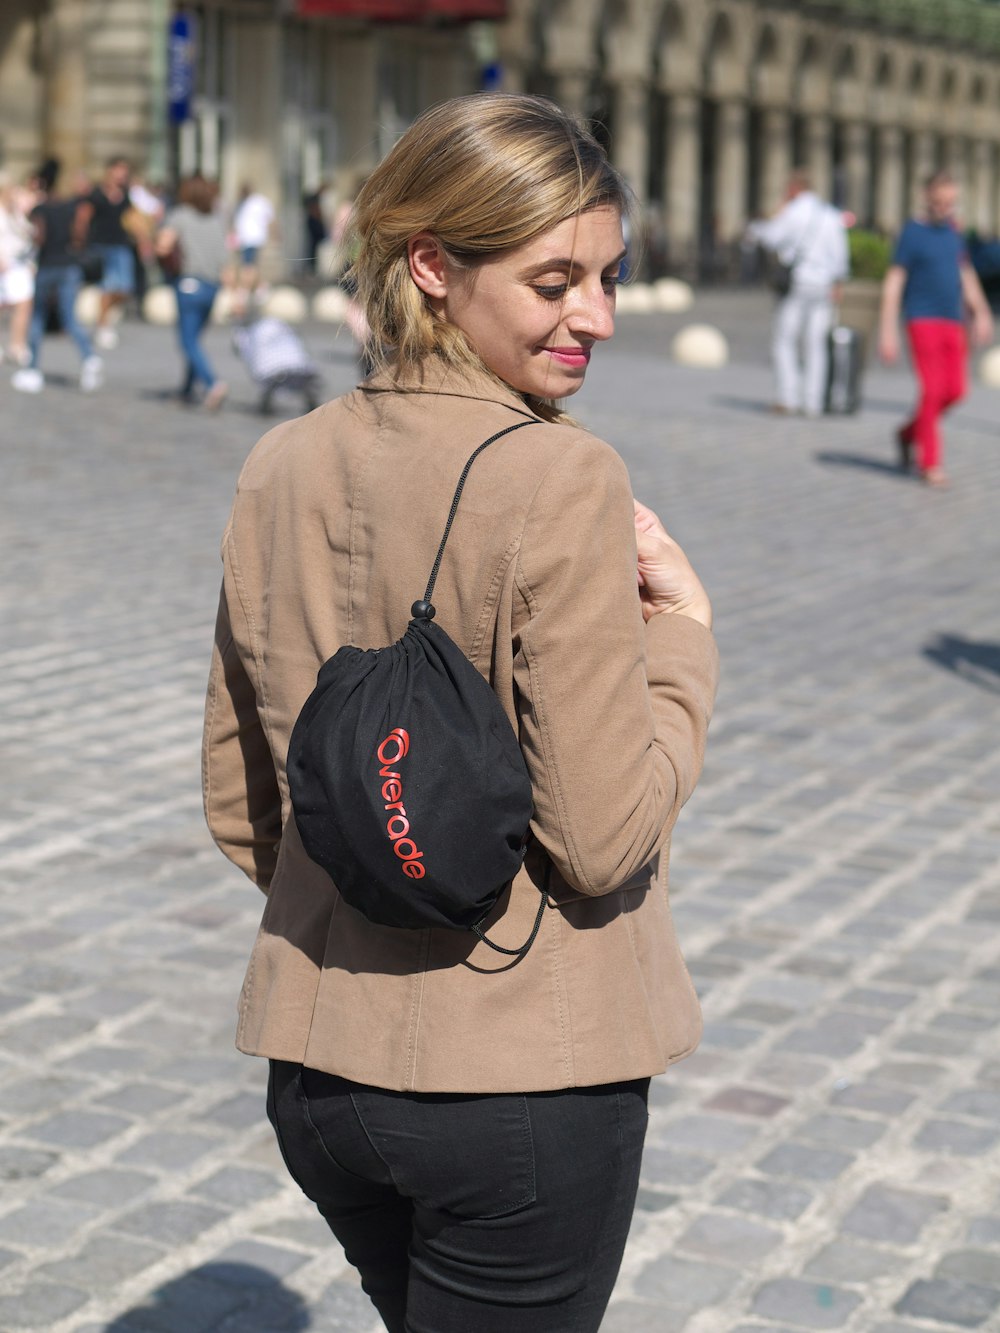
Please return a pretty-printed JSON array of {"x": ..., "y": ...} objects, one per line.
[
  {"x": 635, "y": 298},
  {"x": 224, "y": 306},
  {"x": 286, "y": 303},
  {"x": 328, "y": 261},
  {"x": 701, "y": 346},
  {"x": 989, "y": 368},
  {"x": 159, "y": 305},
  {"x": 329, "y": 305},
  {"x": 672, "y": 296},
  {"x": 88, "y": 306}
]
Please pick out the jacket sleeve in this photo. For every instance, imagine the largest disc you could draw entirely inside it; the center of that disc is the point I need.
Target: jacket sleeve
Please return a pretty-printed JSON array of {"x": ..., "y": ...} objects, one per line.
[
  {"x": 613, "y": 711},
  {"x": 239, "y": 787}
]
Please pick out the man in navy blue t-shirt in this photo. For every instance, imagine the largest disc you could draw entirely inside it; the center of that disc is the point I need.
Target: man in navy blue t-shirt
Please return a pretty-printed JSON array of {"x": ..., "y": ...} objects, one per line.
[{"x": 933, "y": 281}]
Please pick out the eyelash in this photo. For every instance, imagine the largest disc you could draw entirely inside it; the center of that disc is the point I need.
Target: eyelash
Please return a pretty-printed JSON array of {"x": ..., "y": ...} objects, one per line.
[{"x": 609, "y": 284}]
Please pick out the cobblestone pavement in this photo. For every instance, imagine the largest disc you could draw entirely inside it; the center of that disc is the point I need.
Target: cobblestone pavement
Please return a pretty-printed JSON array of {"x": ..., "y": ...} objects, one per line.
[{"x": 830, "y": 1159}]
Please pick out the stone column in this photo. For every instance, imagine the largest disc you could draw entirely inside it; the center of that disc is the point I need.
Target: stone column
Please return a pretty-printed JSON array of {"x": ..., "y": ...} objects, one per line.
[
  {"x": 889, "y": 203},
  {"x": 731, "y": 161},
  {"x": 956, "y": 161},
  {"x": 922, "y": 162},
  {"x": 355, "y": 94},
  {"x": 573, "y": 92},
  {"x": 66, "y": 86},
  {"x": 857, "y": 150},
  {"x": 682, "y": 193},
  {"x": 818, "y": 152},
  {"x": 981, "y": 204},
  {"x": 21, "y": 91},
  {"x": 776, "y": 156},
  {"x": 265, "y": 129},
  {"x": 630, "y": 144}
]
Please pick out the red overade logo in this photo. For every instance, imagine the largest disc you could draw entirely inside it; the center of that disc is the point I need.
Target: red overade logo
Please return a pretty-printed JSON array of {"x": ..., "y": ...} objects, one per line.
[{"x": 395, "y": 747}]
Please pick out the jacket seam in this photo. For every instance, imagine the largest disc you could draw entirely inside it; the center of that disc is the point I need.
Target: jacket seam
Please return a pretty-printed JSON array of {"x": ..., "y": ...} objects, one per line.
[
  {"x": 537, "y": 691},
  {"x": 212, "y": 704},
  {"x": 256, "y": 652},
  {"x": 416, "y": 1000},
  {"x": 351, "y": 547},
  {"x": 492, "y": 595},
  {"x": 562, "y": 1005}
]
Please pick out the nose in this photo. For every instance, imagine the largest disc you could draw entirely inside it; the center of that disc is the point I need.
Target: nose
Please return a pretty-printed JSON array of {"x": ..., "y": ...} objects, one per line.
[{"x": 593, "y": 313}]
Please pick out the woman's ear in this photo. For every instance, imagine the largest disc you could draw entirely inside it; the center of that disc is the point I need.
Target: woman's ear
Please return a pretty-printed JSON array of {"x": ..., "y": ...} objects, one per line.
[{"x": 428, "y": 265}]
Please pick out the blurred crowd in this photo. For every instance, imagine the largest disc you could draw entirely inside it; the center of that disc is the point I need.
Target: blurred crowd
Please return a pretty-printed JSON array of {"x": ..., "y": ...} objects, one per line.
[{"x": 121, "y": 234}]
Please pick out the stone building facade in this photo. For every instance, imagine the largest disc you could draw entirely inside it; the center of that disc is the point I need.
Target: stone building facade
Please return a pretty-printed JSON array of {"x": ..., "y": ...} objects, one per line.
[
  {"x": 706, "y": 104},
  {"x": 288, "y": 94}
]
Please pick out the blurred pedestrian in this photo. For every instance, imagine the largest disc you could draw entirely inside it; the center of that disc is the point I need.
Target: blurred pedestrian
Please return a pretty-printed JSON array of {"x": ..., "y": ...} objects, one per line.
[
  {"x": 934, "y": 283},
  {"x": 315, "y": 232},
  {"x": 252, "y": 225},
  {"x": 810, "y": 241},
  {"x": 17, "y": 270},
  {"x": 470, "y": 1126},
  {"x": 192, "y": 247},
  {"x": 345, "y": 244},
  {"x": 60, "y": 232},
  {"x": 110, "y": 238},
  {"x": 140, "y": 221}
]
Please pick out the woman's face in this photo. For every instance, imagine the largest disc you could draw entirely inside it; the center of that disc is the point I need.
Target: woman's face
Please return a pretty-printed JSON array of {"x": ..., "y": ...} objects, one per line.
[{"x": 534, "y": 313}]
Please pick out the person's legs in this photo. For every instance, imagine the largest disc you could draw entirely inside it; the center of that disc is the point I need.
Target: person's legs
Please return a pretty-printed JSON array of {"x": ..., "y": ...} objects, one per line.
[
  {"x": 484, "y": 1258},
  {"x": 819, "y": 317},
  {"x": 70, "y": 282},
  {"x": 955, "y": 355},
  {"x": 358, "y": 1200},
  {"x": 194, "y": 306},
  {"x": 20, "y": 319},
  {"x": 117, "y": 284},
  {"x": 503, "y": 1214},
  {"x": 46, "y": 283},
  {"x": 785, "y": 351},
  {"x": 930, "y": 344}
]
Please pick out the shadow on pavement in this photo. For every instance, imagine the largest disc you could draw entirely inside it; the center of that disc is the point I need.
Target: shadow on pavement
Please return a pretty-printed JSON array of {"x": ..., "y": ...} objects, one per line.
[
  {"x": 886, "y": 467},
  {"x": 744, "y": 404},
  {"x": 977, "y": 663},
  {"x": 224, "y": 1296}
]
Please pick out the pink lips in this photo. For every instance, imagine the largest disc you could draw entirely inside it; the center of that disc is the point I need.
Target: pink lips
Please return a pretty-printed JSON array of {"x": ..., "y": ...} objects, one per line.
[{"x": 570, "y": 356}]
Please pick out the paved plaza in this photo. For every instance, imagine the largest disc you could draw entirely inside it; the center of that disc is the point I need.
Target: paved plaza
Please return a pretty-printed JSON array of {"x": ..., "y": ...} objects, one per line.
[{"x": 829, "y": 1159}]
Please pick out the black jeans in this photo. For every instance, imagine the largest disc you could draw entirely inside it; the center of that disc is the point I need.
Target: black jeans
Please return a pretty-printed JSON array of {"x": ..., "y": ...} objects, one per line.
[{"x": 500, "y": 1214}]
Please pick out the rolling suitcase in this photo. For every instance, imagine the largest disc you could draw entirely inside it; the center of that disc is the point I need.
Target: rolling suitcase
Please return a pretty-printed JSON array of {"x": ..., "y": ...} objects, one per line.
[{"x": 846, "y": 349}]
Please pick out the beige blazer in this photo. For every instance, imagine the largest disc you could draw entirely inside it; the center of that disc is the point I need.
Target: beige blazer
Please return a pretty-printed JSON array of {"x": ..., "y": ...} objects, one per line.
[{"x": 331, "y": 538}]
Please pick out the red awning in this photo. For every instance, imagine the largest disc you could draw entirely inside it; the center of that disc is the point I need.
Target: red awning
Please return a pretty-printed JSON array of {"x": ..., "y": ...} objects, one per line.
[
  {"x": 467, "y": 9},
  {"x": 403, "y": 11}
]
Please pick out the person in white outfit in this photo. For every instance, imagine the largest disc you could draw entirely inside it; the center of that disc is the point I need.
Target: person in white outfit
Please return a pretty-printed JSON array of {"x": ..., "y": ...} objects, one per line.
[
  {"x": 253, "y": 223},
  {"x": 17, "y": 271},
  {"x": 808, "y": 235}
]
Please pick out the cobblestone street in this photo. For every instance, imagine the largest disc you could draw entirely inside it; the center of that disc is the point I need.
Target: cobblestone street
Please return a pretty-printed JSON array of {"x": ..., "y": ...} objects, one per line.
[{"x": 829, "y": 1159}]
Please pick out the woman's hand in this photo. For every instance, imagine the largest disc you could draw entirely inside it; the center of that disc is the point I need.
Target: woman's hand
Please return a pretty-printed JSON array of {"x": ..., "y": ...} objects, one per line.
[{"x": 666, "y": 580}]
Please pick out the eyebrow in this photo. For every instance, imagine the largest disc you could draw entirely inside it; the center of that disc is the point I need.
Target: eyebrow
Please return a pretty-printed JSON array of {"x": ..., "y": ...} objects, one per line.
[{"x": 568, "y": 263}]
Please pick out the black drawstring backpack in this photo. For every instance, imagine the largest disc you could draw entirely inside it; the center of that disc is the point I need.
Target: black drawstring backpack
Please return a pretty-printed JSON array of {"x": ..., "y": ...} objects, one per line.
[{"x": 407, "y": 782}]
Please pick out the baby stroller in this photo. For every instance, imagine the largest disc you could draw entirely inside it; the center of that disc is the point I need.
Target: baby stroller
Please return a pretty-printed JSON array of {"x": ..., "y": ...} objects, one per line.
[{"x": 276, "y": 359}]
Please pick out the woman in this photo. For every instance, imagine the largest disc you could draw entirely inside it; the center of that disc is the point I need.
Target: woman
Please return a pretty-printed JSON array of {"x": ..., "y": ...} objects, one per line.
[
  {"x": 471, "y": 1127},
  {"x": 192, "y": 248},
  {"x": 17, "y": 273}
]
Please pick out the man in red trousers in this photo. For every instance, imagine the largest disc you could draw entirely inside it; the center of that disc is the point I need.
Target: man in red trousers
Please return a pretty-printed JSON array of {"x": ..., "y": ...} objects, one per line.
[{"x": 933, "y": 281}]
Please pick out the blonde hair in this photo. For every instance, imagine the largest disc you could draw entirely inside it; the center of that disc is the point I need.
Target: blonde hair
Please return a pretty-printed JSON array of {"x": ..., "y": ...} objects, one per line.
[{"x": 483, "y": 174}]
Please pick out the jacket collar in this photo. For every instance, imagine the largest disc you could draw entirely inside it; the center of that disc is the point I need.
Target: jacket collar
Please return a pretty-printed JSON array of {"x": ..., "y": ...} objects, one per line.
[{"x": 435, "y": 376}]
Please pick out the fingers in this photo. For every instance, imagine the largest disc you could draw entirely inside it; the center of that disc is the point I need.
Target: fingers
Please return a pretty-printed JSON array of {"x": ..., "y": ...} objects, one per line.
[{"x": 646, "y": 520}]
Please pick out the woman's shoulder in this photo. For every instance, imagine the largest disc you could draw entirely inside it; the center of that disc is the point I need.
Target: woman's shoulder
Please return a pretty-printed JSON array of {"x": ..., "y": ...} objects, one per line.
[
  {"x": 573, "y": 448},
  {"x": 291, "y": 448}
]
